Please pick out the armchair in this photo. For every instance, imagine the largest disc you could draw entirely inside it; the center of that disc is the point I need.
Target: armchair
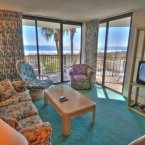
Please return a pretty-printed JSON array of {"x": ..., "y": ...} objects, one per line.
[
  {"x": 80, "y": 76},
  {"x": 27, "y": 73}
]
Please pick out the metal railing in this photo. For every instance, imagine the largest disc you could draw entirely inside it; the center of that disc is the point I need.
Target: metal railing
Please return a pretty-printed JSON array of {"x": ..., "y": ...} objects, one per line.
[
  {"x": 114, "y": 70},
  {"x": 52, "y": 63}
]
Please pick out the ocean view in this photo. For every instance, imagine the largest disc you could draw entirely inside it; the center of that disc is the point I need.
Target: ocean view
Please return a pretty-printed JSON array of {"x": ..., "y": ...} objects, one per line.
[{"x": 32, "y": 49}]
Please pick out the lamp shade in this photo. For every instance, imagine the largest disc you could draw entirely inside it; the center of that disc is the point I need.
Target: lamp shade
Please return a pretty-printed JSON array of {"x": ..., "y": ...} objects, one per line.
[{"x": 9, "y": 136}]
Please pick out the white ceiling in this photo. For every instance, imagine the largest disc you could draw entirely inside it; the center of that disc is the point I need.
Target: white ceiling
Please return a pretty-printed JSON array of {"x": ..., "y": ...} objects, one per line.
[{"x": 73, "y": 10}]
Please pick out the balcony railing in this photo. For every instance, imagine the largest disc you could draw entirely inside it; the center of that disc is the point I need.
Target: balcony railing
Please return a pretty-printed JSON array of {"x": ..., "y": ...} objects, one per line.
[
  {"x": 51, "y": 64},
  {"x": 114, "y": 71}
]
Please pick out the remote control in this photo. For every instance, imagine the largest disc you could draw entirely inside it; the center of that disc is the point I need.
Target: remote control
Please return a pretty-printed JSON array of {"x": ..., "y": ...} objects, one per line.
[
  {"x": 62, "y": 100},
  {"x": 61, "y": 97}
]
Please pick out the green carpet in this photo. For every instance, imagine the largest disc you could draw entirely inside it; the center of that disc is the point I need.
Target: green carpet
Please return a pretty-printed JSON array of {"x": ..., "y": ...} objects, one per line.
[{"x": 115, "y": 124}]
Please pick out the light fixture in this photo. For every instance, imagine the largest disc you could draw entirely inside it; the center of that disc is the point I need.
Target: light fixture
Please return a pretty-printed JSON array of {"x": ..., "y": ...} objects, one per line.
[{"x": 9, "y": 136}]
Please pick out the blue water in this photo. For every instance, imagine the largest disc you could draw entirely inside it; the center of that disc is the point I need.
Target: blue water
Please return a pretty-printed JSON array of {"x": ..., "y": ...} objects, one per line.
[
  {"x": 116, "y": 48},
  {"x": 52, "y": 49},
  {"x": 45, "y": 48}
]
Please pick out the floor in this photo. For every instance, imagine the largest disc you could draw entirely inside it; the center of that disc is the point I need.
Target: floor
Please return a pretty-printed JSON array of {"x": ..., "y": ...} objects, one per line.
[
  {"x": 113, "y": 82},
  {"x": 115, "y": 123}
]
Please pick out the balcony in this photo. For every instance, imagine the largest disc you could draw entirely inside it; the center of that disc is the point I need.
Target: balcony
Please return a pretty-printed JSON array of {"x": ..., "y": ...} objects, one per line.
[{"x": 50, "y": 66}]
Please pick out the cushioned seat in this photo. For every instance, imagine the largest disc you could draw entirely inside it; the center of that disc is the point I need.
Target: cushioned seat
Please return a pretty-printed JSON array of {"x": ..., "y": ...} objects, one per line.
[
  {"x": 30, "y": 121},
  {"x": 43, "y": 84},
  {"x": 81, "y": 75},
  {"x": 80, "y": 78},
  {"x": 27, "y": 73},
  {"x": 19, "y": 111},
  {"x": 19, "y": 97}
]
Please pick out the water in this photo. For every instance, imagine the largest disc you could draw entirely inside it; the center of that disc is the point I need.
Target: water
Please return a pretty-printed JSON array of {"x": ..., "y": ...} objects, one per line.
[
  {"x": 51, "y": 50},
  {"x": 113, "y": 49},
  {"x": 32, "y": 49}
]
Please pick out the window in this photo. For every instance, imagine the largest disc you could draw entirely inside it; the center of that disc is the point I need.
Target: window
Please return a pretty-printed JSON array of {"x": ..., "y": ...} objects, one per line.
[
  {"x": 51, "y": 46},
  {"x": 112, "y": 51}
]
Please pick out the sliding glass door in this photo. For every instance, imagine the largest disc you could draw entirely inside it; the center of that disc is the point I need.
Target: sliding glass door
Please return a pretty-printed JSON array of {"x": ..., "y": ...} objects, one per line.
[
  {"x": 100, "y": 53},
  {"x": 51, "y": 47},
  {"x": 113, "y": 41},
  {"x": 30, "y": 43},
  {"x": 71, "y": 47}
]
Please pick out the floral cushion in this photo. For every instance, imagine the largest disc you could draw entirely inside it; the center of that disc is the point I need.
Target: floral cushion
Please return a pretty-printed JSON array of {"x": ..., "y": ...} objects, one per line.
[
  {"x": 80, "y": 78},
  {"x": 12, "y": 122},
  {"x": 19, "y": 111},
  {"x": 38, "y": 135},
  {"x": 19, "y": 86},
  {"x": 6, "y": 89},
  {"x": 30, "y": 121},
  {"x": 79, "y": 69},
  {"x": 19, "y": 97},
  {"x": 81, "y": 85}
]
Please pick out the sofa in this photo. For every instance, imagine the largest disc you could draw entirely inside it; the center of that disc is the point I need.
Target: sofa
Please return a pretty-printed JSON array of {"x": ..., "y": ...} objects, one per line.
[
  {"x": 80, "y": 76},
  {"x": 18, "y": 110}
]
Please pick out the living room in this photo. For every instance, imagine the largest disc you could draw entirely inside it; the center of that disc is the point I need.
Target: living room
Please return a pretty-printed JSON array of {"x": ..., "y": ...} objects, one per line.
[{"x": 72, "y": 72}]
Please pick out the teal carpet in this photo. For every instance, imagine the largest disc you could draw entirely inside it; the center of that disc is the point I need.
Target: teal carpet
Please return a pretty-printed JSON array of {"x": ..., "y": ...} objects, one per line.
[{"x": 115, "y": 124}]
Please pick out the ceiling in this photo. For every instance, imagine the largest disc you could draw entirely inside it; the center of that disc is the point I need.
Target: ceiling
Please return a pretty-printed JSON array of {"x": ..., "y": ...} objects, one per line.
[{"x": 73, "y": 10}]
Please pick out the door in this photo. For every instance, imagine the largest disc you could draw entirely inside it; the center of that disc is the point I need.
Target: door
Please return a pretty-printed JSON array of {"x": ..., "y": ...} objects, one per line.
[{"x": 112, "y": 51}]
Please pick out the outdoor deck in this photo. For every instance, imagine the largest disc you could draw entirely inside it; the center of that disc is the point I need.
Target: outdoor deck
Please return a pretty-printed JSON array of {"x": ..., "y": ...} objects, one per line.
[
  {"x": 114, "y": 82},
  {"x": 50, "y": 66}
]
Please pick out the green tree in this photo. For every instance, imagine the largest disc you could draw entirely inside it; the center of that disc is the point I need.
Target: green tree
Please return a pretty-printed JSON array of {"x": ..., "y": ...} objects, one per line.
[{"x": 50, "y": 32}]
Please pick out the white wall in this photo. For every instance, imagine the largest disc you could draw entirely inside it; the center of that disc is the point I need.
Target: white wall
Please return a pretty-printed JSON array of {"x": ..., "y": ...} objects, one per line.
[{"x": 138, "y": 20}]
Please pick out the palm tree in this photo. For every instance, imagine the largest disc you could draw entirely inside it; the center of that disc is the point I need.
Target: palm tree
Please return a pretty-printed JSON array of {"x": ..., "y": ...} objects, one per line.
[
  {"x": 49, "y": 32},
  {"x": 72, "y": 33}
]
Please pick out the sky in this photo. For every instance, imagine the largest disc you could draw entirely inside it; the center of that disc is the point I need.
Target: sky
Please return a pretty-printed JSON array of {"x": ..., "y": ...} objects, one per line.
[
  {"x": 117, "y": 37},
  {"x": 29, "y": 35}
]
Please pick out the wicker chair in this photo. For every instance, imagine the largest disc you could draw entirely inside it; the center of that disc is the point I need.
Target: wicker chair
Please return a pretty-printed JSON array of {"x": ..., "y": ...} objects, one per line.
[
  {"x": 81, "y": 75},
  {"x": 27, "y": 73}
]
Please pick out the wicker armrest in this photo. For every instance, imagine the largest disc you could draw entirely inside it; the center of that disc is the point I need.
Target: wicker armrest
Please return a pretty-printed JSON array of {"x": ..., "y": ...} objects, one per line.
[
  {"x": 42, "y": 76},
  {"x": 71, "y": 72},
  {"x": 38, "y": 134}
]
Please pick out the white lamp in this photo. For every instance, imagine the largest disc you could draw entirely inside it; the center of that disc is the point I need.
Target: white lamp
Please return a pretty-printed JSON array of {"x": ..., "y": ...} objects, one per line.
[{"x": 9, "y": 136}]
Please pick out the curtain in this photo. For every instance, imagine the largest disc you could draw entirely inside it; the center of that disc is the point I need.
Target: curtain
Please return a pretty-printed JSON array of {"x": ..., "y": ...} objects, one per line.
[
  {"x": 91, "y": 36},
  {"x": 11, "y": 48}
]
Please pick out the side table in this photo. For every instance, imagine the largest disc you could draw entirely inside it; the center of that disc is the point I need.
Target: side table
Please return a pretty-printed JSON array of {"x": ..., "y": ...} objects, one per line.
[{"x": 36, "y": 94}]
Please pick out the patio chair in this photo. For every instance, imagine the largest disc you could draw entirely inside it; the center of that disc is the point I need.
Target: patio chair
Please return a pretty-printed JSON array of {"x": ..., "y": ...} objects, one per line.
[
  {"x": 81, "y": 75},
  {"x": 35, "y": 81}
]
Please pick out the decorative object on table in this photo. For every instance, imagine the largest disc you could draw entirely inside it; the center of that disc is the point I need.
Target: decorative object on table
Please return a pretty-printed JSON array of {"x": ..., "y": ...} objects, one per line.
[
  {"x": 63, "y": 99},
  {"x": 81, "y": 75}
]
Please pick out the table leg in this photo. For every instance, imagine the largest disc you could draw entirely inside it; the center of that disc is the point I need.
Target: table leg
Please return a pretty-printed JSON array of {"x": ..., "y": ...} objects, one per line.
[
  {"x": 66, "y": 125},
  {"x": 93, "y": 115}
]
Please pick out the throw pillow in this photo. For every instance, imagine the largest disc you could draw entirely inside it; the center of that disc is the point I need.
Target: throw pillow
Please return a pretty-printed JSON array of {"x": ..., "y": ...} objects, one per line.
[
  {"x": 6, "y": 89},
  {"x": 12, "y": 122},
  {"x": 19, "y": 86}
]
